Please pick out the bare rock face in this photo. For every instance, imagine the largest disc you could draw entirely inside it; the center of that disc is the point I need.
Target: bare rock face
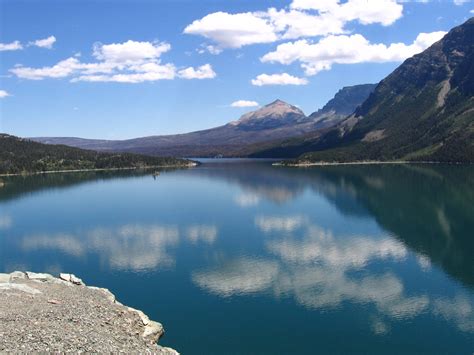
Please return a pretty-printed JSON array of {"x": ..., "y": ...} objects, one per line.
[{"x": 42, "y": 313}]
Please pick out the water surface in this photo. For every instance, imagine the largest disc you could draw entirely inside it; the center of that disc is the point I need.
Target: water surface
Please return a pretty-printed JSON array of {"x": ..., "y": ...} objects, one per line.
[{"x": 242, "y": 257}]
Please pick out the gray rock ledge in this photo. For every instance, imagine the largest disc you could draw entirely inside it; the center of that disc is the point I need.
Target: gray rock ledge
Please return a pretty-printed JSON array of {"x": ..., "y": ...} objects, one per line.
[{"x": 43, "y": 313}]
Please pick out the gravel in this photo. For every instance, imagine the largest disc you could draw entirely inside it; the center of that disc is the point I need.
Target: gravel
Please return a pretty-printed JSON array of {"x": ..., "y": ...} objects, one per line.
[{"x": 41, "y": 313}]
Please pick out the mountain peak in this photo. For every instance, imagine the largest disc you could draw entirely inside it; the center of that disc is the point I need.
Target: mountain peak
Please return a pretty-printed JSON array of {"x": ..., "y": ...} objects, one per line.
[
  {"x": 275, "y": 114},
  {"x": 277, "y": 102}
]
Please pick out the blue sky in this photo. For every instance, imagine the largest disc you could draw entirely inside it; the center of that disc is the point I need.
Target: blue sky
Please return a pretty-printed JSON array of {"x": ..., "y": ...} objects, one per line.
[{"x": 122, "y": 69}]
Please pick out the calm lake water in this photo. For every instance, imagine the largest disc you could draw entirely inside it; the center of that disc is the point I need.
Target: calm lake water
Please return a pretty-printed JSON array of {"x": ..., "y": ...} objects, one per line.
[{"x": 242, "y": 257}]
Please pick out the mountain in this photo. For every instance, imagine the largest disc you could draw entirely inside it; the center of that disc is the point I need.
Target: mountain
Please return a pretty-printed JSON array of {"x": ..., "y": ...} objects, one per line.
[
  {"x": 277, "y": 120},
  {"x": 342, "y": 105},
  {"x": 22, "y": 156},
  {"x": 274, "y": 122},
  {"x": 423, "y": 111},
  {"x": 274, "y": 115}
]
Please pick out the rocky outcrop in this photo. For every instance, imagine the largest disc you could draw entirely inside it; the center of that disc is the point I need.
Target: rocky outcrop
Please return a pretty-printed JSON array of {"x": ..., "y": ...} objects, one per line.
[{"x": 43, "y": 313}]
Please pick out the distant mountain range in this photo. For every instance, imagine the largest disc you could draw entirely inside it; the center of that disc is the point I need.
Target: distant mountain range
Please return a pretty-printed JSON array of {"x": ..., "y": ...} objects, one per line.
[
  {"x": 274, "y": 122},
  {"x": 423, "y": 111}
]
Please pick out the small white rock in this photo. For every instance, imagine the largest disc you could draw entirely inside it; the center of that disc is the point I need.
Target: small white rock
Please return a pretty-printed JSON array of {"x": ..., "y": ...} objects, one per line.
[
  {"x": 17, "y": 275},
  {"x": 76, "y": 280},
  {"x": 65, "y": 277},
  {"x": 40, "y": 276}
]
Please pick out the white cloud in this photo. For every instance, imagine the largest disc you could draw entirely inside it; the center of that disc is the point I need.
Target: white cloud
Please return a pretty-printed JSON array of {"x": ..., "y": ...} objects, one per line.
[
  {"x": 460, "y": 2},
  {"x": 344, "y": 49},
  {"x": 244, "y": 103},
  {"x": 44, "y": 43},
  {"x": 130, "y": 51},
  {"x": 295, "y": 24},
  {"x": 233, "y": 30},
  {"x": 471, "y": 12},
  {"x": 3, "y": 93},
  {"x": 278, "y": 79},
  {"x": 385, "y": 12},
  {"x": 305, "y": 18},
  {"x": 214, "y": 50},
  {"x": 150, "y": 71},
  {"x": 13, "y": 46},
  {"x": 127, "y": 78},
  {"x": 62, "y": 69},
  {"x": 127, "y": 62},
  {"x": 203, "y": 72}
]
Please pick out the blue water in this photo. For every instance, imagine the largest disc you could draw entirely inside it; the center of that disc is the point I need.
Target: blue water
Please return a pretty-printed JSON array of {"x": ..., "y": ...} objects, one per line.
[{"x": 241, "y": 257}]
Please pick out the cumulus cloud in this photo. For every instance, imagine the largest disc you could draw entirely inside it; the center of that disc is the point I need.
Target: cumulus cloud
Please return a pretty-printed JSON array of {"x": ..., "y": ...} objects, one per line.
[
  {"x": 305, "y": 18},
  {"x": 44, "y": 43},
  {"x": 138, "y": 73},
  {"x": 345, "y": 49},
  {"x": 366, "y": 12},
  {"x": 203, "y": 72},
  {"x": 233, "y": 30},
  {"x": 244, "y": 103},
  {"x": 62, "y": 69},
  {"x": 16, "y": 45},
  {"x": 209, "y": 48},
  {"x": 4, "y": 94},
  {"x": 130, "y": 51},
  {"x": 460, "y": 2},
  {"x": 13, "y": 46},
  {"x": 278, "y": 79},
  {"x": 127, "y": 62}
]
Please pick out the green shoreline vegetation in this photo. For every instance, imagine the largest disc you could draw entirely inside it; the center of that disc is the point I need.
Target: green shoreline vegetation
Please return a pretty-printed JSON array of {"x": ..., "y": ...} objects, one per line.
[{"x": 22, "y": 157}]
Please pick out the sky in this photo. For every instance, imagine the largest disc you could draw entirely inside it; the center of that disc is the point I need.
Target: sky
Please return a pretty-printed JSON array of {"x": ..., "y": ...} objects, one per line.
[{"x": 131, "y": 68}]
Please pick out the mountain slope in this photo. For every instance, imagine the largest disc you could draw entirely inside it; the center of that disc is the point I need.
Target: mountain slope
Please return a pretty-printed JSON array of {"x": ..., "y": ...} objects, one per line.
[
  {"x": 275, "y": 121},
  {"x": 423, "y": 111},
  {"x": 342, "y": 105},
  {"x": 24, "y": 156}
]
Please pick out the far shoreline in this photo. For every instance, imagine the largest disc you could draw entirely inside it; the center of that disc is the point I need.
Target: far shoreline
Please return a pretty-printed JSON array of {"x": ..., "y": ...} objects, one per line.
[
  {"x": 191, "y": 164},
  {"x": 369, "y": 162}
]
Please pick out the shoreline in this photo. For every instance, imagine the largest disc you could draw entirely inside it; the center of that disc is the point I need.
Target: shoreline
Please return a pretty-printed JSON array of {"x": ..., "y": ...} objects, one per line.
[
  {"x": 44, "y": 313},
  {"x": 190, "y": 165},
  {"x": 370, "y": 162}
]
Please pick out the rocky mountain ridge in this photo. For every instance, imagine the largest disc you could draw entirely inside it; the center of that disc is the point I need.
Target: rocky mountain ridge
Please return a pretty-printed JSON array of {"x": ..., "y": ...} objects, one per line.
[{"x": 422, "y": 111}]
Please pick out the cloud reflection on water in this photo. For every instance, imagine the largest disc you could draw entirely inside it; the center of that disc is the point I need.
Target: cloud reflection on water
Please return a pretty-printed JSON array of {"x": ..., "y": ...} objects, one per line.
[
  {"x": 130, "y": 247},
  {"x": 323, "y": 271},
  {"x": 5, "y": 222}
]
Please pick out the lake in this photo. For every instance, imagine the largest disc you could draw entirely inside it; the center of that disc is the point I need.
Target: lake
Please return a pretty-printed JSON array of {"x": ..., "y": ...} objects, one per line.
[{"x": 241, "y": 257}]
